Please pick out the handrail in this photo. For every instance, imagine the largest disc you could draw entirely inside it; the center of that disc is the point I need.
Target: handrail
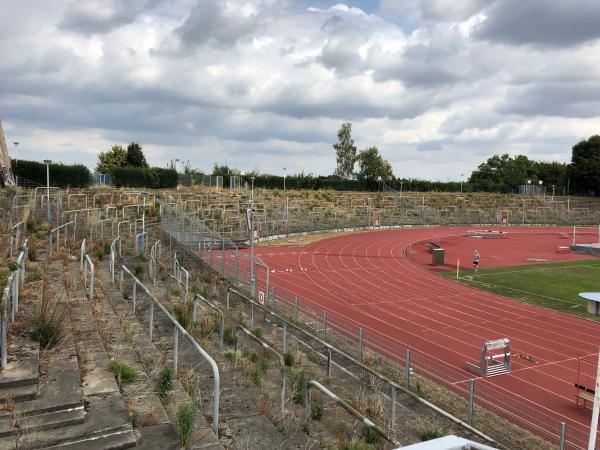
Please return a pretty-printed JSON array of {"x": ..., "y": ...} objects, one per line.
[
  {"x": 141, "y": 237},
  {"x": 89, "y": 265},
  {"x": 269, "y": 349},
  {"x": 217, "y": 310},
  {"x": 57, "y": 231},
  {"x": 368, "y": 422},
  {"x": 16, "y": 240},
  {"x": 14, "y": 282},
  {"x": 180, "y": 329},
  {"x": 111, "y": 262},
  {"x": 121, "y": 223},
  {"x": 394, "y": 385}
]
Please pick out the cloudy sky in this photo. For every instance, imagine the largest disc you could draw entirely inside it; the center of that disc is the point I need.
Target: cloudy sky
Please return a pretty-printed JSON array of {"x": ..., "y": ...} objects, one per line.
[{"x": 437, "y": 85}]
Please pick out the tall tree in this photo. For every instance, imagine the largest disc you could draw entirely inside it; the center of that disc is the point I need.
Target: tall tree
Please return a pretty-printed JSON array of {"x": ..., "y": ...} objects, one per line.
[
  {"x": 505, "y": 170},
  {"x": 345, "y": 152},
  {"x": 584, "y": 170},
  {"x": 371, "y": 166},
  {"x": 135, "y": 156},
  {"x": 116, "y": 156}
]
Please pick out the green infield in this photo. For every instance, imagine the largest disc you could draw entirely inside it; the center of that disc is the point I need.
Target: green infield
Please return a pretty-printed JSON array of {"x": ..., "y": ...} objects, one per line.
[{"x": 553, "y": 286}]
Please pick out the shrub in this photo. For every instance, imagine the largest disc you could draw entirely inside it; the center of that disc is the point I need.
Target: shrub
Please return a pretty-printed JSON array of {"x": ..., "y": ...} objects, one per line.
[
  {"x": 430, "y": 434},
  {"x": 13, "y": 266},
  {"x": 186, "y": 418},
  {"x": 317, "y": 412},
  {"x": 33, "y": 254},
  {"x": 288, "y": 359},
  {"x": 48, "y": 324},
  {"x": 264, "y": 365},
  {"x": 231, "y": 355},
  {"x": 185, "y": 315},
  {"x": 229, "y": 335},
  {"x": 100, "y": 254},
  {"x": 75, "y": 175},
  {"x": 257, "y": 332},
  {"x": 135, "y": 418},
  {"x": 150, "y": 177},
  {"x": 138, "y": 270},
  {"x": 164, "y": 383},
  {"x": 123, "y": 372},
  {"x": 256, "y": 376},
  {"x": 370, "y": 435},
  {"x": 298, "y": 383},
  {"x": 176, "y": 292}
]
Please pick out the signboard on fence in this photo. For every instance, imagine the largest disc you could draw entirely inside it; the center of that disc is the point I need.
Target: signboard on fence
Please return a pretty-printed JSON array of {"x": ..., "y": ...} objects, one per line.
[{"x": 261, "y": 297}]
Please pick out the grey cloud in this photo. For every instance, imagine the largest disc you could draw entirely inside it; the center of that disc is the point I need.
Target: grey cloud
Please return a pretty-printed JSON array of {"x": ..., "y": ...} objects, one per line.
[
  {"x": 214, "y": 22},
  {"x": 556, "y": 23},
  {"x": 101, "y": 16},
  {"x": 430, "y": 146},
  {"x": 579, "y": 100}
]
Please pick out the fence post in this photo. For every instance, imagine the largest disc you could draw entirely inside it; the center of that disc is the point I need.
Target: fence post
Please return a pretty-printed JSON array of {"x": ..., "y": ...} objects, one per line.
[
  {"x": 393, "y": 408},
  {"x": 471, "y": 400},
  {"x": 324, "y": 325},
  {"x": 252, "y": 315},
  {"x": 284, "y": 332},
  {"x": 407, "y": 370},
  {"x": 237, "y": 265},
  {"x": 4, "y": 339},
  {"x": 228, "y": 293},
  {"x": 175, "y": 350},
  {"x": 223, "y": 257},
  {"x": 328, "y": 362},
  {"x": 360, "y": 344},
  {"x": 151, "y": 321},
  {"x": 563, "y": 435},
  {"x": 133, "y": 298},
  {"x": 296, "y": 307}
]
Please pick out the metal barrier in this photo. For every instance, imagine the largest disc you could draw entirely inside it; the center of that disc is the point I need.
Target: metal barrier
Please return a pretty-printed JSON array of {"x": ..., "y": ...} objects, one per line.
[
  {"x": 180, "y": 330},
  {"x": 140, "y": 242},
  {"x": 15, "y": 237},
  {"x": 332, "y": 349},
  {"x": 269, "y": 349},
  {"x": 88, "y": 266},
  {"x": 346, "y": 406},
  {"x": 111, "y": 262},
  {"x": 153, "y": 262},
  {"x": 10, "y": 300},
  {"x": 56, "y": 231},
  {"x": 82, "y": 253}
]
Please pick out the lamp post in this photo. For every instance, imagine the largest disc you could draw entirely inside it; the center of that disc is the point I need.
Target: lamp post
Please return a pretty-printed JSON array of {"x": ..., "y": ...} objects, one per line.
[
  {"x": 461, "y": 182},
  {"x": 284, "y": 179},
  {"x": 401, "y": 183},
  {"x": 48, "y": 162},
  {"x": 252, "y": 198}
]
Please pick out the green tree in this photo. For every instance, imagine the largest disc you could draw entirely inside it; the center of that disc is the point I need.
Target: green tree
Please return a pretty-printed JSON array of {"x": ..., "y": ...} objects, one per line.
[
  {"x": 552, "y": 173},
  {"x": 505, "y": 170},
  {"x": 135, "y": 156},
  {"x": 345, "y": 152},
  {"x": 584, "y": 170},
  {"x": 371, "y": 166},
  {"x": 224, "y": 170},
  {"x": 116, "y": 156}
]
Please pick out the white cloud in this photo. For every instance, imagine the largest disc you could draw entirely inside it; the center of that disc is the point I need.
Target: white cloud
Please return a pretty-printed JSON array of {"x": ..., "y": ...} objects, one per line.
[{"x": 265, "y": 84}]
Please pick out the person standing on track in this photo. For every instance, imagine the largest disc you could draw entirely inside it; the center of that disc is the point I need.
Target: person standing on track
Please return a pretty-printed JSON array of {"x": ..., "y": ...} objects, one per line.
[{"x": 476, "y": 258}]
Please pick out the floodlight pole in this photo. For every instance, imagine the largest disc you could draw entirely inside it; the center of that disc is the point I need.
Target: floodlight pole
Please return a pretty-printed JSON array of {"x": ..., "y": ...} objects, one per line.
[
  {"x": 284, "y": 179},
  {"x": 594, "y": 424}
]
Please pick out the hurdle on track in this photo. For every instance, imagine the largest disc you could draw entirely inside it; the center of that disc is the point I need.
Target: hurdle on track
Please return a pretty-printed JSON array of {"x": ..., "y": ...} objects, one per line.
[
  {"x": 486, "y": 234},
  {"x": 495, "y": 359}
]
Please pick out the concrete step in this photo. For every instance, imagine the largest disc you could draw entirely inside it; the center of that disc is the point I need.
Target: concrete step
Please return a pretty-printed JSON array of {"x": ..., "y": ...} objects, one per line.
[
  {"x": 23, "y": 363},
  {"x": 104, "y": 417},
  {"x": 56, "y": 393},
  {"x": 115, "y": 441},
  {"x": 19, "y": 393},
  {"x": 10, "y": 426}
]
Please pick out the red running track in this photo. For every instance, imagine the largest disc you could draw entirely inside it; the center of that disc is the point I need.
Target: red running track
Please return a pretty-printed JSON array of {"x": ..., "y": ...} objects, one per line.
[{"x": 368, "y": 280}]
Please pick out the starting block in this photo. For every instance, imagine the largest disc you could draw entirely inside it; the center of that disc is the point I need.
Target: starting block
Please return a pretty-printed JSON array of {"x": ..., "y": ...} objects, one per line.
[{"x": 495, "y": 359}]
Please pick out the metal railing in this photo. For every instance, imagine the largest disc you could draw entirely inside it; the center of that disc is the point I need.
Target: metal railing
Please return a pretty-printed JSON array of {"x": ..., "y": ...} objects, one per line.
[
  {"x": 394, "y": 387},
  {"x": 55, "y": 235},
  {"x": 9, "y": 305},
  {"x": 113, "y": 257},
  {"x": 88, "y": 266},
  {"x": 365, "y": 420},
  {"x": 178, "y": 329}
]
